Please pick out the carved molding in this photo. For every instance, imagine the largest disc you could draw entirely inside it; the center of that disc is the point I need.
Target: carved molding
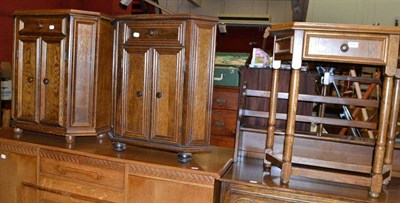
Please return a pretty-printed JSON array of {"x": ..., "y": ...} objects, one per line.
[
  {"x": 149, "y": 171},
  {"x": 19, "y": 148},
  {"x": 78, "y": 159}
]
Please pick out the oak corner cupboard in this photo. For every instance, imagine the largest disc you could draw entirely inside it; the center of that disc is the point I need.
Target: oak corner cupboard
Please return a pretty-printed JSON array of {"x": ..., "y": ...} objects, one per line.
[
  {"x": 62, "y": 72},
  {"x": 164, "y": 79}
]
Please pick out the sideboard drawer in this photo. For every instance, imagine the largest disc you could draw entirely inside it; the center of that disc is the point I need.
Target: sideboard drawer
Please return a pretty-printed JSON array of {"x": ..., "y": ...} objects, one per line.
[
  {"x": 74, "y": 167},
  {"x": 340, "y": 47},
  {"x": 223, "y": 122}
]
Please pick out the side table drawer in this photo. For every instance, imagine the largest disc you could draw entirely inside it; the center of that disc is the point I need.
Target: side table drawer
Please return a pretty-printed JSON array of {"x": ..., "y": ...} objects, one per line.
[
  {"x": 223, "y": 122},
  {"x": 353, "y": 47}
]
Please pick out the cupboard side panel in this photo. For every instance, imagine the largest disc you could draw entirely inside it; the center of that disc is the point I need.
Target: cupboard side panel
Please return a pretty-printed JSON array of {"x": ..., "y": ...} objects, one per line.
[
  {"x": 201, "y": 83},
  {"x": 104, "y": 75}
]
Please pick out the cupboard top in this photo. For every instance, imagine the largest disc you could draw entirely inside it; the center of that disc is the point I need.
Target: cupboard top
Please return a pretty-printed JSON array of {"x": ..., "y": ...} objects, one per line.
[
  {"x": 167, "y": 17},
  {"x": 334, "y": 27},
  {"x": 58, "y": 12}
]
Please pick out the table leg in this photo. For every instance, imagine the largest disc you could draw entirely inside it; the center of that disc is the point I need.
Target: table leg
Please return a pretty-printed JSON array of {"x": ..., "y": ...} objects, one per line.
[
  {"x": 273, "y": 106},
  {"x": 290, "y": 126},
  {"x": 393, "y": 122},
  {"x": 379, "y": 152}
]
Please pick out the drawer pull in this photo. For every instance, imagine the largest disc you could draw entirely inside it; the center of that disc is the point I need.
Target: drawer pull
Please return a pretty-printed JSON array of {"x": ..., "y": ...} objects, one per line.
[
  {"x": 152, "y": 33},
  {"x": 30, "y": 79},
  {"x": 136, "y": 35},
  {"x": 51, "y": 27},
  {"x": 344, "y": 47},
  {"x": 139, "y": 93},
  {"x": 40, "y": 25},
  {"x": 219, "y": 123},
  {"x": 3, "y": 156},
  {"x": 221, "y": 101},
  {"x": 62, "y": 170}
]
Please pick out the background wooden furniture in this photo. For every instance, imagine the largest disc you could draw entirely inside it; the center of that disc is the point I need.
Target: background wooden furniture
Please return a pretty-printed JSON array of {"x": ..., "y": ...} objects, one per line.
[
  {"x": 163, "y": 75},
  {"x": 369, "y": 45},
  {"x": 62, "y": 72},
  {"x": 224, "y": 115},
  {"x": 45, "y": 169}
]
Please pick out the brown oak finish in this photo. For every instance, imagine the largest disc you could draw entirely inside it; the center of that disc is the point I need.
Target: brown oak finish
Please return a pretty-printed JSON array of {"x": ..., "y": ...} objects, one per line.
[
  {"x": 163, "y": 75},
  {"x": 90, "y": 171},
  {"x": 321, "y": 42},
  {"x": 63, "y": 72}
]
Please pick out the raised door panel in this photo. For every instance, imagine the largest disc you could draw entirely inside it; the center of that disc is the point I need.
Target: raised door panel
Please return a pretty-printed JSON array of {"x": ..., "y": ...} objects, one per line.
[
  {"x": 83, "y": 71},
  {"x": 134, "y": 93},
  {"x": 52, "y": 88},
  {"x": 26, "y": 79},
  {"x": 167, "y": 94}
]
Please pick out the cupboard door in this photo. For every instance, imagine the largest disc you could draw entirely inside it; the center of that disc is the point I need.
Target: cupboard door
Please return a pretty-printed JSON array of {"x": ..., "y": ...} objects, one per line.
[
  {"x": 133, "y": 93},
  {"x": 52, "y": 88},
  {"x": 26, "y": 79},
  {"x": 167, "y": 94}
]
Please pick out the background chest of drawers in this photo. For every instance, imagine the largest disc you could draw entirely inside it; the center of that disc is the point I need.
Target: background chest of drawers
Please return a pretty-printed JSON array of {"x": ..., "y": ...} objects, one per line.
[{"x": 224, "y": 116}]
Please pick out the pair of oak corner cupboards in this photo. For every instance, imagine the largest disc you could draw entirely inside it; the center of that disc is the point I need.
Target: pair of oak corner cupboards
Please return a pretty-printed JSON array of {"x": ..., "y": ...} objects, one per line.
[{"x": 144, "y": 79}]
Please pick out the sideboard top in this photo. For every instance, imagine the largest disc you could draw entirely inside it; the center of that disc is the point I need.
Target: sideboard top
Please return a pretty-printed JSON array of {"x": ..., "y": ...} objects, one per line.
[{"x": 213, "y": 163}]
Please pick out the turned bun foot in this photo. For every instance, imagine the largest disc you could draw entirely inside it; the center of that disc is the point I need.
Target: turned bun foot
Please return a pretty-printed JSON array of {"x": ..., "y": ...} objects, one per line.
[
  {"x": 70, "y": 139},
  {"x": 18, "y": 130}
]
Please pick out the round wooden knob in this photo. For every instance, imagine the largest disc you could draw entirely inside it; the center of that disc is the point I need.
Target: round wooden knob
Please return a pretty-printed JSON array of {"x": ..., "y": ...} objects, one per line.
[
  {"x": 139, "y": 93},
  {"x": 46, "y": 81},
  {"x": 344, "y": 47},
  {"x": 159, "y": 94},
  {"x": 30, "y": 79}
]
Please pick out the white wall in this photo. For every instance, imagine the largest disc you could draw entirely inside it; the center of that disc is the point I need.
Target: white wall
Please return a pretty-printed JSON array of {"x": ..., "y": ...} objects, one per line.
[
  {"x": 279, "y": 10},
  {"x": 354, "y": 11}
]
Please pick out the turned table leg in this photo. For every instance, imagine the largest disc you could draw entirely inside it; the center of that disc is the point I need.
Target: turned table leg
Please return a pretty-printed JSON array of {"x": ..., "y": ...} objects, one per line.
[
  {"x": 290, "y": 126},
  {"x": 273, "y": 105},
  {"x": 379, "y": 152}
]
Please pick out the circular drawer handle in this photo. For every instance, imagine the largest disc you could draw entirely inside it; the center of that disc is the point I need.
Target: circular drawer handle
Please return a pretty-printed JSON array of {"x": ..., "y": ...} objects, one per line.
[
  {"x": 46, "y": 81},
  {"x": 3, "y": 156},
  {"x": 221, "y": 101},
  {"x": 159, "y": 94},
  {"x": 51, "y": 27},
  {"x": 344, "y": 47},
  {"x": 152, "y": 33},
  {"x": 139, "y": 93},
  {"x": 219, "y": 123},
  {"x": 30, "y": 79}
]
